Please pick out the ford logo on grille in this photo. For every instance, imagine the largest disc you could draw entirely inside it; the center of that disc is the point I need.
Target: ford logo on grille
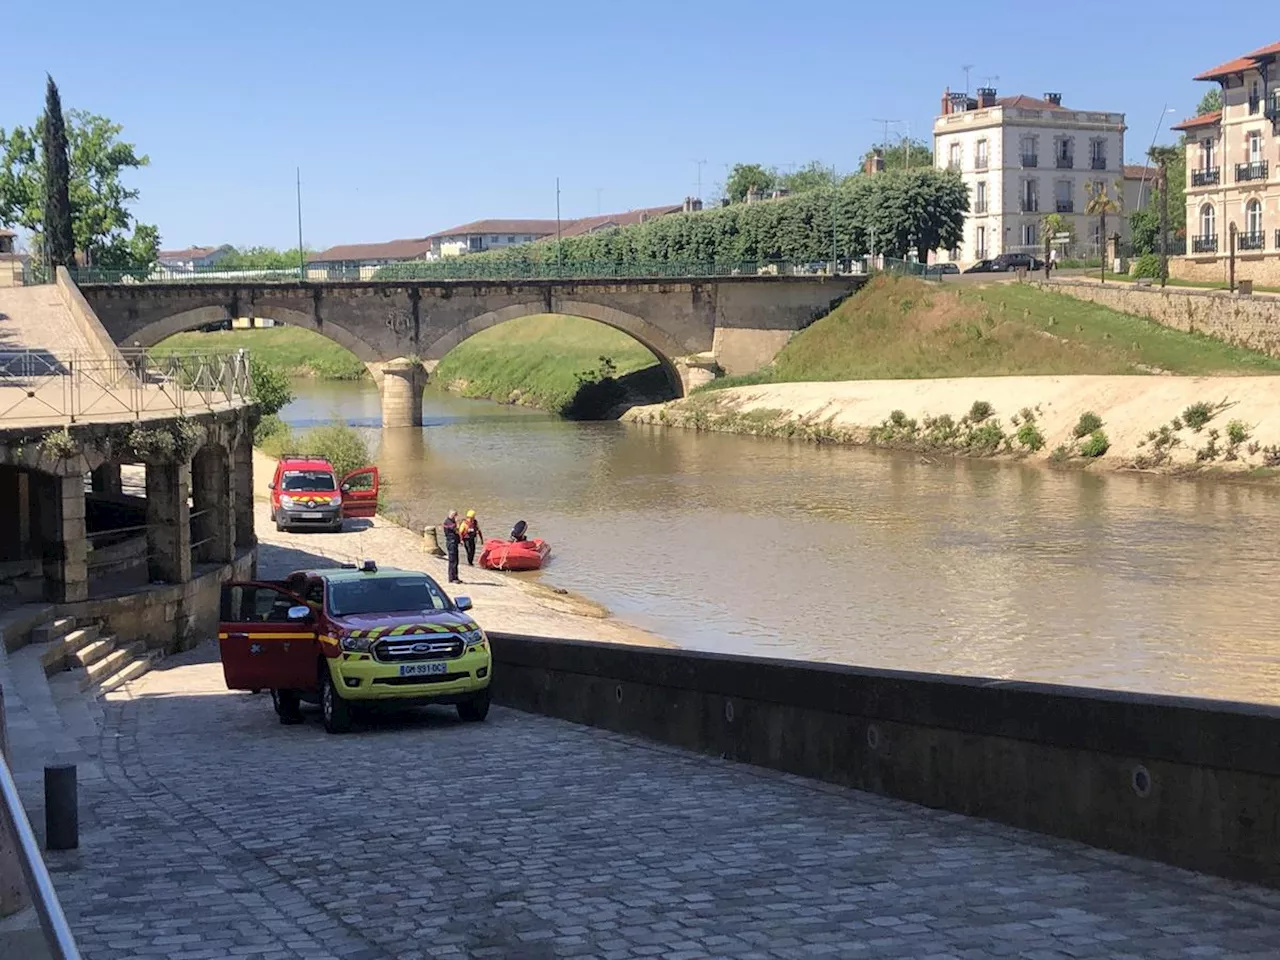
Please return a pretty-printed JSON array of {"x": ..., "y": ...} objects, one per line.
[{"x": 421, "y": 647}]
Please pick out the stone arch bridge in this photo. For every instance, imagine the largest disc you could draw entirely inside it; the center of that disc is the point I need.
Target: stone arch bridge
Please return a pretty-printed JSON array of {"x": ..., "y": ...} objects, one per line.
[{"x": 401, "y": 329}]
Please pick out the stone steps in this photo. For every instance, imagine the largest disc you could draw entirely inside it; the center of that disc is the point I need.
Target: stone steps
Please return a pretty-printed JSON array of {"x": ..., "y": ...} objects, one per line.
[{"x": 60, "y": 653}]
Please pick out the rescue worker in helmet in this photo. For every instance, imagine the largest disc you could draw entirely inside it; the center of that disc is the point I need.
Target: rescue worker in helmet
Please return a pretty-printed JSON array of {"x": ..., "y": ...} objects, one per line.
[
  {"x": 468, "y": 531},
  {"x": 518, "y": 532}
]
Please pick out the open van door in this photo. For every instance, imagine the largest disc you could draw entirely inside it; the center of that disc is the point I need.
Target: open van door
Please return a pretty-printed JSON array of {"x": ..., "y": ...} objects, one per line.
[
  {"x": 360, "y": 493},
  {"x": 267, "y": 638}
]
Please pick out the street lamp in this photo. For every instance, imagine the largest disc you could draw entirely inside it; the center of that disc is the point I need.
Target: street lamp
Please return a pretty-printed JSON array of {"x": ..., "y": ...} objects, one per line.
[{"x": 1143, "y": 184}]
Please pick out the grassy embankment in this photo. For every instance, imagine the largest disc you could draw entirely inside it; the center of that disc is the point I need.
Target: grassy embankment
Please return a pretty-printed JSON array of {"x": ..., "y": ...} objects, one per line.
[
  {"x": 296, "y": 351},
  {"x": 905, "y": 329}
]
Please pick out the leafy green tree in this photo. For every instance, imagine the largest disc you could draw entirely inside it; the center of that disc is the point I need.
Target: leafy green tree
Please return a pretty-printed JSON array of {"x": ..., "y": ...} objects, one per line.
[
  {"x": 1099, "y": 204},
  {"x": 1211, "y": 102},
  {"x": 812, "y": 176},
  {"x": 906, "y": 154},
  {"x": 271, "y": 388},
  {"x": 104, "y": 230},
  {"x": 1144, "y": 223},
  {"x": 746, "y": 176},
  {"x": 260, "y": 258},
  {"x": 60, "y": 243}
]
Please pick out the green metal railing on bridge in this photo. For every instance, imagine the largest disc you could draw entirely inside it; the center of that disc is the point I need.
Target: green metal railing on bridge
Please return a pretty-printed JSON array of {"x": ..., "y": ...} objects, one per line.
[{"x": 469, "y": 268}]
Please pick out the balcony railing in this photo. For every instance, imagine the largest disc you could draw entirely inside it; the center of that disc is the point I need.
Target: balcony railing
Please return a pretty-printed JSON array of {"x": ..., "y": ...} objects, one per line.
[
  {"x": 980, "y": 206},
  {"x": 1098, "y": 163},
  {"x": 1030, "y": 205},
  {"x": 953, "y": 165},
  {"x": 1272, "y": 112},
  {"x": 1030, "y": 160},
  {"x": 1251, "y": 241},
  {"x": 1206, "y": 176},
  {"x": 1254, "y": 104},
  {"x": 1206, "y": 244},
  {"x": 1066, "y": 163},
  {"x": 980, "y": 163},
  {"x": 1257, "y": 170},
  {"x": 1066, "y": 206}
]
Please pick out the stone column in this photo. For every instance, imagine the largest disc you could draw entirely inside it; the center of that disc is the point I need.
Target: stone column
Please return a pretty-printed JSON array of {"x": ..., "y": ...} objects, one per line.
[
  {"x": 213, "y": 521},
  {"x": 106, "y": 479},
  {"x": 242, "y": 491},
  {"x": 699, "y": 369},
  {"x": 58, "y": 533},
  {"x": 169, "y": 522},
  {"x": 402, "y": 384}
]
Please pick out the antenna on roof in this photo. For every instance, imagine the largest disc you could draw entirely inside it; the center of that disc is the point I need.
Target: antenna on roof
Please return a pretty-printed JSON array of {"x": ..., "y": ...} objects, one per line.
[
  {"x": 966, "y": 68},
  {"x": 990, "y": 81}
]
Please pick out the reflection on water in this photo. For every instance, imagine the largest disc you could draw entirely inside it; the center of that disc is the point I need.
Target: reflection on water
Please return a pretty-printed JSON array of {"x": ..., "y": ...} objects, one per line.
[{"x": 784, "y": 549}]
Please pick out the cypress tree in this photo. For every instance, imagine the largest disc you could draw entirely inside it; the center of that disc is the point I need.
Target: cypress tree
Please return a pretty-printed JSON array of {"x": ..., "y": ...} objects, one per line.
[{"x": 59, "y": 237}]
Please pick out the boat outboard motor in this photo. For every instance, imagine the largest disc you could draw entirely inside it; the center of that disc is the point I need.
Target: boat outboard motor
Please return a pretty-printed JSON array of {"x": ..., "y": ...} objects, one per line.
[{"x": 517, "y": 532}]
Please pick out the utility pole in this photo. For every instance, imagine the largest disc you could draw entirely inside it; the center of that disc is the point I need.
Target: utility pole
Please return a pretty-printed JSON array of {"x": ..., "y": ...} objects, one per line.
[
  {"x": 559, "y": 252},
  {"x": 966, "y": 68},
  {"x": 906, "y": 144},
  {"x": 302, "y": 269},
  {"x": 699, "y": 164},
  {"x": 886, "y": 136}
]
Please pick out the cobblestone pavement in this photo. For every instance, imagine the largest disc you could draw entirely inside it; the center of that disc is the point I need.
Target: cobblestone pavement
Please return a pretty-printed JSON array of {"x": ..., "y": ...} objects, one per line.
[{"x": 217, "y": 832}]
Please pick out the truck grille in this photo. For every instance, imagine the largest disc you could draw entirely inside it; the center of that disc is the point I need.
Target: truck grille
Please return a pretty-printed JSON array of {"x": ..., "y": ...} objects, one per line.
[
  {"x": 420, "y": 681},
  {"x": 416, "y": 648}
]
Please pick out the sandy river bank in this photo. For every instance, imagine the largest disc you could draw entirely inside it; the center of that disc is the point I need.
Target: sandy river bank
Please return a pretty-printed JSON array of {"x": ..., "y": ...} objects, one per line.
[
  {"x": 1132, "y": 410},
  {"x": 503, "y": 602}
]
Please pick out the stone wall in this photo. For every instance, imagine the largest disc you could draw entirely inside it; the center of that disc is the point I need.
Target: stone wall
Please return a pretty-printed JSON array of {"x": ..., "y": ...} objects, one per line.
[
  {"x": 168, "y": 617},
  {"x": 1262, "y": 269},
  {"x": 90, "y": 327},
  {"x": 1190, "y": 782},
  {"x": 1252, "y": 322}
]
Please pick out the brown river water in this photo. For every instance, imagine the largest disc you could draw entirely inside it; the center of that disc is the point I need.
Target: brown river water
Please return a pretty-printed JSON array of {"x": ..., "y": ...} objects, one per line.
[{"x": 783, "y": 549}]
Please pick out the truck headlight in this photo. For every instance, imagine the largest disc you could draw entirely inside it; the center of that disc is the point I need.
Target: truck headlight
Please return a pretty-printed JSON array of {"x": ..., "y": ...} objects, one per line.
[
  {"x": 336, "y": 501},
  {"x": 286, "y": 502},
  {"x": 355, "y": 644},
  {"x": 473, "y": 638}
]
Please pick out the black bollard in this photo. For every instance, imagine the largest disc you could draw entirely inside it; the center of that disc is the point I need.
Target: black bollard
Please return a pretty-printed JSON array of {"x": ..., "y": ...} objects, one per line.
[{"x": 61, "y": 808}]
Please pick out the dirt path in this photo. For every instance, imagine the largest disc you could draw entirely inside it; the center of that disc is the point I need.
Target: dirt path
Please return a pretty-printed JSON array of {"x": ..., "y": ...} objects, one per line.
[{"x": 503, "y": 602}]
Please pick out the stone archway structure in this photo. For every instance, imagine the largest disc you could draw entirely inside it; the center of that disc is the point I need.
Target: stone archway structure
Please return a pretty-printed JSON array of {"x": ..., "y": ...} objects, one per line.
[
  {"x": 401, "y": 328},
  {"x": 665, "y": 349}
]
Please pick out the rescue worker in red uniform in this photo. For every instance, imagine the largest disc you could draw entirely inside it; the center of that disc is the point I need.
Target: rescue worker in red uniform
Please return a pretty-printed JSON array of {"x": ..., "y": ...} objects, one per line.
[{"x": 468, "y": 531}]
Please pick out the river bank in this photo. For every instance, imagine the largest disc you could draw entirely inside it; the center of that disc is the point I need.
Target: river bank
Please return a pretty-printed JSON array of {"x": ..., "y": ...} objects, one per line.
[
  {"x": 1228, "y": 425},
  {"x": 503, "y": 602}
]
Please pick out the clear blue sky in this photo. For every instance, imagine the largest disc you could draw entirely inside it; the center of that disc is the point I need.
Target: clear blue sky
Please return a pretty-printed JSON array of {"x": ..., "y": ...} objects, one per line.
[{"x": 409, "y": 117}]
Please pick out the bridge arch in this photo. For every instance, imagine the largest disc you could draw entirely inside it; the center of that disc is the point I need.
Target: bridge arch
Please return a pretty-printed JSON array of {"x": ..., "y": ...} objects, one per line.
[
  {"x": 663, "y": 346},
  {"x": 166, "y": 327}
]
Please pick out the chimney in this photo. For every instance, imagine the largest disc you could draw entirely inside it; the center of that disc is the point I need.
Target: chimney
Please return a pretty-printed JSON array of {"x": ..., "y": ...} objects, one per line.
[
  {"x": 1054, "y": 98},
  {"x": 986, "y": 97},
  {"x": 875, "y": 162},
  {"x": 697, "y": 204},
  {"x": 946, "y": 101},
  {"x": 688, "y": 205}
]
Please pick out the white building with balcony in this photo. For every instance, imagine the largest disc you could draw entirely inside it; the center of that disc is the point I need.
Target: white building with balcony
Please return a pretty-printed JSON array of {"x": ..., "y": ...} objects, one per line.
[
  {"x": 1233, "y": 175},
  {"x": 1023, "y": 158}
]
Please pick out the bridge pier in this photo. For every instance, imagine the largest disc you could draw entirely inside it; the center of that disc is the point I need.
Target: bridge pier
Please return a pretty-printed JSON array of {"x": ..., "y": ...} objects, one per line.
[
  {"x": 401, "y": 384},
  {"x": 696, "y": 371}
]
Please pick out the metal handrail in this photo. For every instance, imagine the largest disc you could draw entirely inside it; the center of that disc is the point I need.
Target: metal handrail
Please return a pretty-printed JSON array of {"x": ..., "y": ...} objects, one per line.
[{"x": 53, "y": 922}]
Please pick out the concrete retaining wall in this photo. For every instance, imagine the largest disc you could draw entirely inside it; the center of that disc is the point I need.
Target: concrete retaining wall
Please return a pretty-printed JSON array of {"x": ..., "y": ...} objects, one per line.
[
  {"x": 90, "y": 327},
  {"x": 1194, "y": 783},
  {"x": 1252, "y": 322}
]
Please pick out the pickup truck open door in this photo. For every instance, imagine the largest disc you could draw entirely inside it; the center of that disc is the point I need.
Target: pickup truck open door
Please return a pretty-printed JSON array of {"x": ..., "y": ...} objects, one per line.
[{"x": 267, "y": 638}]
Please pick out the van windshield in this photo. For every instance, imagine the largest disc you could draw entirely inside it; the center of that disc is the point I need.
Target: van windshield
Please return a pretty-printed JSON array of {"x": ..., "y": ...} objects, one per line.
[
  {"x": 308, "y": 480},
  {"x": 413, "y": 594}
]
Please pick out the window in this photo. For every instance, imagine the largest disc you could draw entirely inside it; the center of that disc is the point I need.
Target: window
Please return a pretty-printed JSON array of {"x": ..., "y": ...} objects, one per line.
[
  {"x": 1030, "y": 151},
  {"x": 315, "y": 592},
  {"x": 493, "y": 239},
  {"x": 980, "y": 197},
  {"x": 1255, "y": 146},
  {"x": 955, "y": 254},
  {"x": 1029, "y": 234},
  {"x": 1208, "y": 221},
  {"x": 511, "y": 239},
  {"x": 980, "y": 157},
  {"x": 250, "y": 603},
  {"x": 1098, "y": 153},
  {"x": 1207, "y": 149},
  {"x": 1030, "y": 196},
  {"x": 1254, "y": 100},
  {"x": 1065, "y": 149},
  {"x": 307, "y": 480},
  {"x": 475, "y": 244},
  {"x": 1064, "y": 202},
  {"x": 1253, "y": 217},
  {"x": 407, "y": 594},
  {"x": 953, "y": 157},
  {"x": 981, "y": 242}
]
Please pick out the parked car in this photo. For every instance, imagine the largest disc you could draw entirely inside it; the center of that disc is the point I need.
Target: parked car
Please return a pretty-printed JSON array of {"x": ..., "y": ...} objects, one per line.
[
  {"x": 940, "y": 269},
  {"x": 983, "y": 266},
  {"x": 1008, "y": 262}
]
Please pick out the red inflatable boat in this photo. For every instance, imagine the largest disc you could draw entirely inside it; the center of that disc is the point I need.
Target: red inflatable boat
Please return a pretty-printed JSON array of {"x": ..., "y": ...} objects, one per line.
[{"x": 508, "y": 555}]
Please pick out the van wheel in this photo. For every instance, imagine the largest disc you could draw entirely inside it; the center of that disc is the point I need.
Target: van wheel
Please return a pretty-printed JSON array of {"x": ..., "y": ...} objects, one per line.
[
  {"x": 335, "y": 711},
  {"x": 475, "y": 709},
  {"x": 287, "y": 706},
  {"x": 279, "y": 526}
]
